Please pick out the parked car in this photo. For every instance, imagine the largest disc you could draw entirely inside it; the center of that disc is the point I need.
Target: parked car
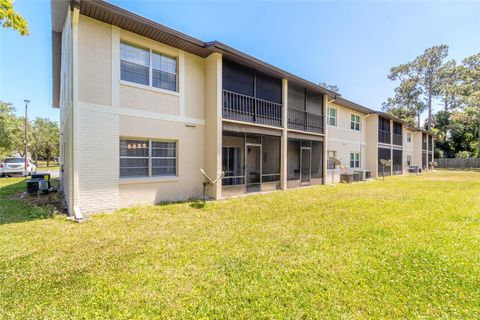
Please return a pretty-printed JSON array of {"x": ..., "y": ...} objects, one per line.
[{"x": 13, "y": 166}]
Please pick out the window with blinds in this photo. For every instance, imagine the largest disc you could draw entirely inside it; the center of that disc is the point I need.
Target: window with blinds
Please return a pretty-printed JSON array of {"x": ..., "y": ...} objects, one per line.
[
  {"x": 147, "y": 158},
  {"x": 147, "y": 67}
]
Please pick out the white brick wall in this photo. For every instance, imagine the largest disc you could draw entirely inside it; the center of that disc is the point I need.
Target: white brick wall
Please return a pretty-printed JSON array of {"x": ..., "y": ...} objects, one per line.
[{"x": 98, "y": 161}]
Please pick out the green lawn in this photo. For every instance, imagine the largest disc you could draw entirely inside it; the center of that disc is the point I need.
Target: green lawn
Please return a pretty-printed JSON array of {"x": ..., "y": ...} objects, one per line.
[{"x": 406, "y": 247}]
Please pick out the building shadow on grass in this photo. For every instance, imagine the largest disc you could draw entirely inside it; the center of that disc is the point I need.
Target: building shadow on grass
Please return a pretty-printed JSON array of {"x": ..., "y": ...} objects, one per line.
[{"x": 15, "y": 209}]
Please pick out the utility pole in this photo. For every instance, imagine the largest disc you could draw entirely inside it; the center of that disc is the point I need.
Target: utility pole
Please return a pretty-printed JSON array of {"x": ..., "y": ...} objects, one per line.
[{"x": 26, "y": 136}]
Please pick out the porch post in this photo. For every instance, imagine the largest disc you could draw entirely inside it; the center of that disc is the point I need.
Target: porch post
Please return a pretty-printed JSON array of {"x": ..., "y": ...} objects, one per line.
[
  {"x": 284, "y": 140},
  {"x": 325, "y": 142},
  {"x": 213, "y": 122}
]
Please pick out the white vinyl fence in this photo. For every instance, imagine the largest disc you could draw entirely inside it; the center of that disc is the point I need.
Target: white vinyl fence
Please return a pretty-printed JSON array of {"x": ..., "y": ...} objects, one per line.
[{"x": 461, "y": 163}]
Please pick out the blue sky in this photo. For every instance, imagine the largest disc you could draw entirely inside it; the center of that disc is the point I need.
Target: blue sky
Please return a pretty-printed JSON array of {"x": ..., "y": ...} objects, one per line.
[{"x": 350, "y": 44}]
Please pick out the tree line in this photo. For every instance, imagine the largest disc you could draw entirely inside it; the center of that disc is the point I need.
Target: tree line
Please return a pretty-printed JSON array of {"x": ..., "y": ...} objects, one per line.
[
  {"x": 431, "y": 78},
  {"x": 43, "y": 135}
]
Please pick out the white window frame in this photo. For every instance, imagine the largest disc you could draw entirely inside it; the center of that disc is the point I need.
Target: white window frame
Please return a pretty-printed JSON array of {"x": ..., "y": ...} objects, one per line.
[
  {"x": 355, "y": 155},
  {"x": 353, "y": 122},
  {"x": 330, "y": 117},
  {"x": 150, "y": 157},
  {"x": 409, "y": 137},
  {"x": 150, "y": 67}
]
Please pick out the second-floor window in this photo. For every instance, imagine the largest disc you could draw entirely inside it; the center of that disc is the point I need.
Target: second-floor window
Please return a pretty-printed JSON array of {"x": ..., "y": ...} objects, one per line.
[
  {"x": 147, "y": 67},
  {"x": 355, "y": 122},
  {"x": 409, "y": 137},
  {"x": 332, "y": 117}
]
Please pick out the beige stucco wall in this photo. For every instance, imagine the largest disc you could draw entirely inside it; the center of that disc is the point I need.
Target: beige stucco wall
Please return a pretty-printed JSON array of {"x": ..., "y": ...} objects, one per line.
[
  {"x": 417, "y": 149},
  {"x": 94, "y": 61},
  {"x": 146, "y": 99},
  {"x": 194, "y": 86},
  {"x": 190, "y": 158},
  {"x": 108, "y": 108},
  {"x": 343, "y": 140},
  {"x": 371, "y": 150}
]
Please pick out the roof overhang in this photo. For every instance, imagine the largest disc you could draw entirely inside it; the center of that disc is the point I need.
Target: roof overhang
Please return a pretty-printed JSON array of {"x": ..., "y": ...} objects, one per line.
[
  {"x": 352, "y": 105},
  {"x": 243, "y": 58}
]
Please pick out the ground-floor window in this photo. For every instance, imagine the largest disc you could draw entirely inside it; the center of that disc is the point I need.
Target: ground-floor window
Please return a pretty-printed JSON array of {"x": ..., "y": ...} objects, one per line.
[
  {"x": 147, "y": 158},
  {"x": 354, "y": 160}
]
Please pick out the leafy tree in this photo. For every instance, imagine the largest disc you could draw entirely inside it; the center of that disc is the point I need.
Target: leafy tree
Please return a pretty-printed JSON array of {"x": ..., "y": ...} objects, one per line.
[
  {"x": 46, "y": 138},
  {"x": 470, "y": 85},
  {"x": 427, "y": 68},
  {"x": 450, "y": 91},
  {"x": 11, "y": 130},
  {"x": 332, "y": 87},
  {"x": 9, "y": 18},
  {"x": 407, "y": 103},
  {"x": 462, "y": 154},
  {"x": 419, "y": 79}
]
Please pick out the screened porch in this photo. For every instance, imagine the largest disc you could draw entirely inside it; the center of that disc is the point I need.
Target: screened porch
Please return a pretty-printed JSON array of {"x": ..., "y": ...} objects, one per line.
[
  {"x": 304, "y": 162},
  {"x": 251, "y": 163}
]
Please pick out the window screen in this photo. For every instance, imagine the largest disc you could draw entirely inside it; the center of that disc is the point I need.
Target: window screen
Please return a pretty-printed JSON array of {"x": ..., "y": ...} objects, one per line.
[
  {"x": 332, "y": 116},
  {"x": 397, "y": 128},
  {"x": 384, "y": 124},
  {"x": 164, "y": 158},
  {"x": 134, "y": 158},
  {"x": 143, "y": 158},
  {"x": 237, "y": 78},
  {"x": 164, "y": 72},
  {"x": 268, "y": 88},
  {"x": 314, "y": 102},
  {"x": 354, "y": 160},
  {"x": 355, "y": 122},
  {"x": 134, "y": 64},
  {"x": 296, "y": 96}
]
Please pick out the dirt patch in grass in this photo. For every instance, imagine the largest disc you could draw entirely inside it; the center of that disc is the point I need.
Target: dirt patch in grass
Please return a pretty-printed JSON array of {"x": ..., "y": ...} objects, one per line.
[{"x": 52, "y": 200}]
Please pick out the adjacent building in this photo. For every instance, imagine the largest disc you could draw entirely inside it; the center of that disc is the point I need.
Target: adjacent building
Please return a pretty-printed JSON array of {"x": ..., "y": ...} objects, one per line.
[{"x": 144, "y": 108}]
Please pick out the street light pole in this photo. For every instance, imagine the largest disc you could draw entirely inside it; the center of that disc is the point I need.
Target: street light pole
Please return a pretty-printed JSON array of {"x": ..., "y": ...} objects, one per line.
[{"x": 26, "y": 136}]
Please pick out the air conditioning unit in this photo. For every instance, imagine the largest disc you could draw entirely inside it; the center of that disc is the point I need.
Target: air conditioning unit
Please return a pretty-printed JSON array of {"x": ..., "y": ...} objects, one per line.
[{"x": 365, "y": 174}]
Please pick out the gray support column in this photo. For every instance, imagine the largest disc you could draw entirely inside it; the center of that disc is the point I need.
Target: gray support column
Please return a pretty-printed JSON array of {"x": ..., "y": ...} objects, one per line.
[
  {"x": 325, "y": 141},
  {"x": 284, "y": 139}
]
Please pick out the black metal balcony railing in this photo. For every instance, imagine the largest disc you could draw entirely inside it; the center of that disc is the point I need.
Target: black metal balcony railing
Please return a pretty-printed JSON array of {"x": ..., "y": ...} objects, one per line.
[
  {"x": 384, "y": 136},
  {"x": 305, "y": 121},
  {"x": 240, "y": 107},
  {"x": 397, "y": 139}
]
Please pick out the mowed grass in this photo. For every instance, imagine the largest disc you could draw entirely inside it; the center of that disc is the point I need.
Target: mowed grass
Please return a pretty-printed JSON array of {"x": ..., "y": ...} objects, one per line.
[{"x": 406, "y": 247}]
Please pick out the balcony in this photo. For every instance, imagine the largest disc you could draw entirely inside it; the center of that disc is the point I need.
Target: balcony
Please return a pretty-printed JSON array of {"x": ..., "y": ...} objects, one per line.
[
  {"x": 305, "y": 121},
  {"x": 384, "y": 136},
  {"x": 240, "y": 107},
  {"x": 397, "y": 139}
]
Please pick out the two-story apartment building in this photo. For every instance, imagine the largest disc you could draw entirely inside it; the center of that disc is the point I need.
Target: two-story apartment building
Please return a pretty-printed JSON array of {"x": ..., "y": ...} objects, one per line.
[
  {"x": 347, "y": 136},
  {"x": 143, "y": 108}
]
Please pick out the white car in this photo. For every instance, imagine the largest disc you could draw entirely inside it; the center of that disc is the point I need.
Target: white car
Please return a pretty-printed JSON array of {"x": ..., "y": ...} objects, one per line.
[{"x": 13, "y": 166}]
